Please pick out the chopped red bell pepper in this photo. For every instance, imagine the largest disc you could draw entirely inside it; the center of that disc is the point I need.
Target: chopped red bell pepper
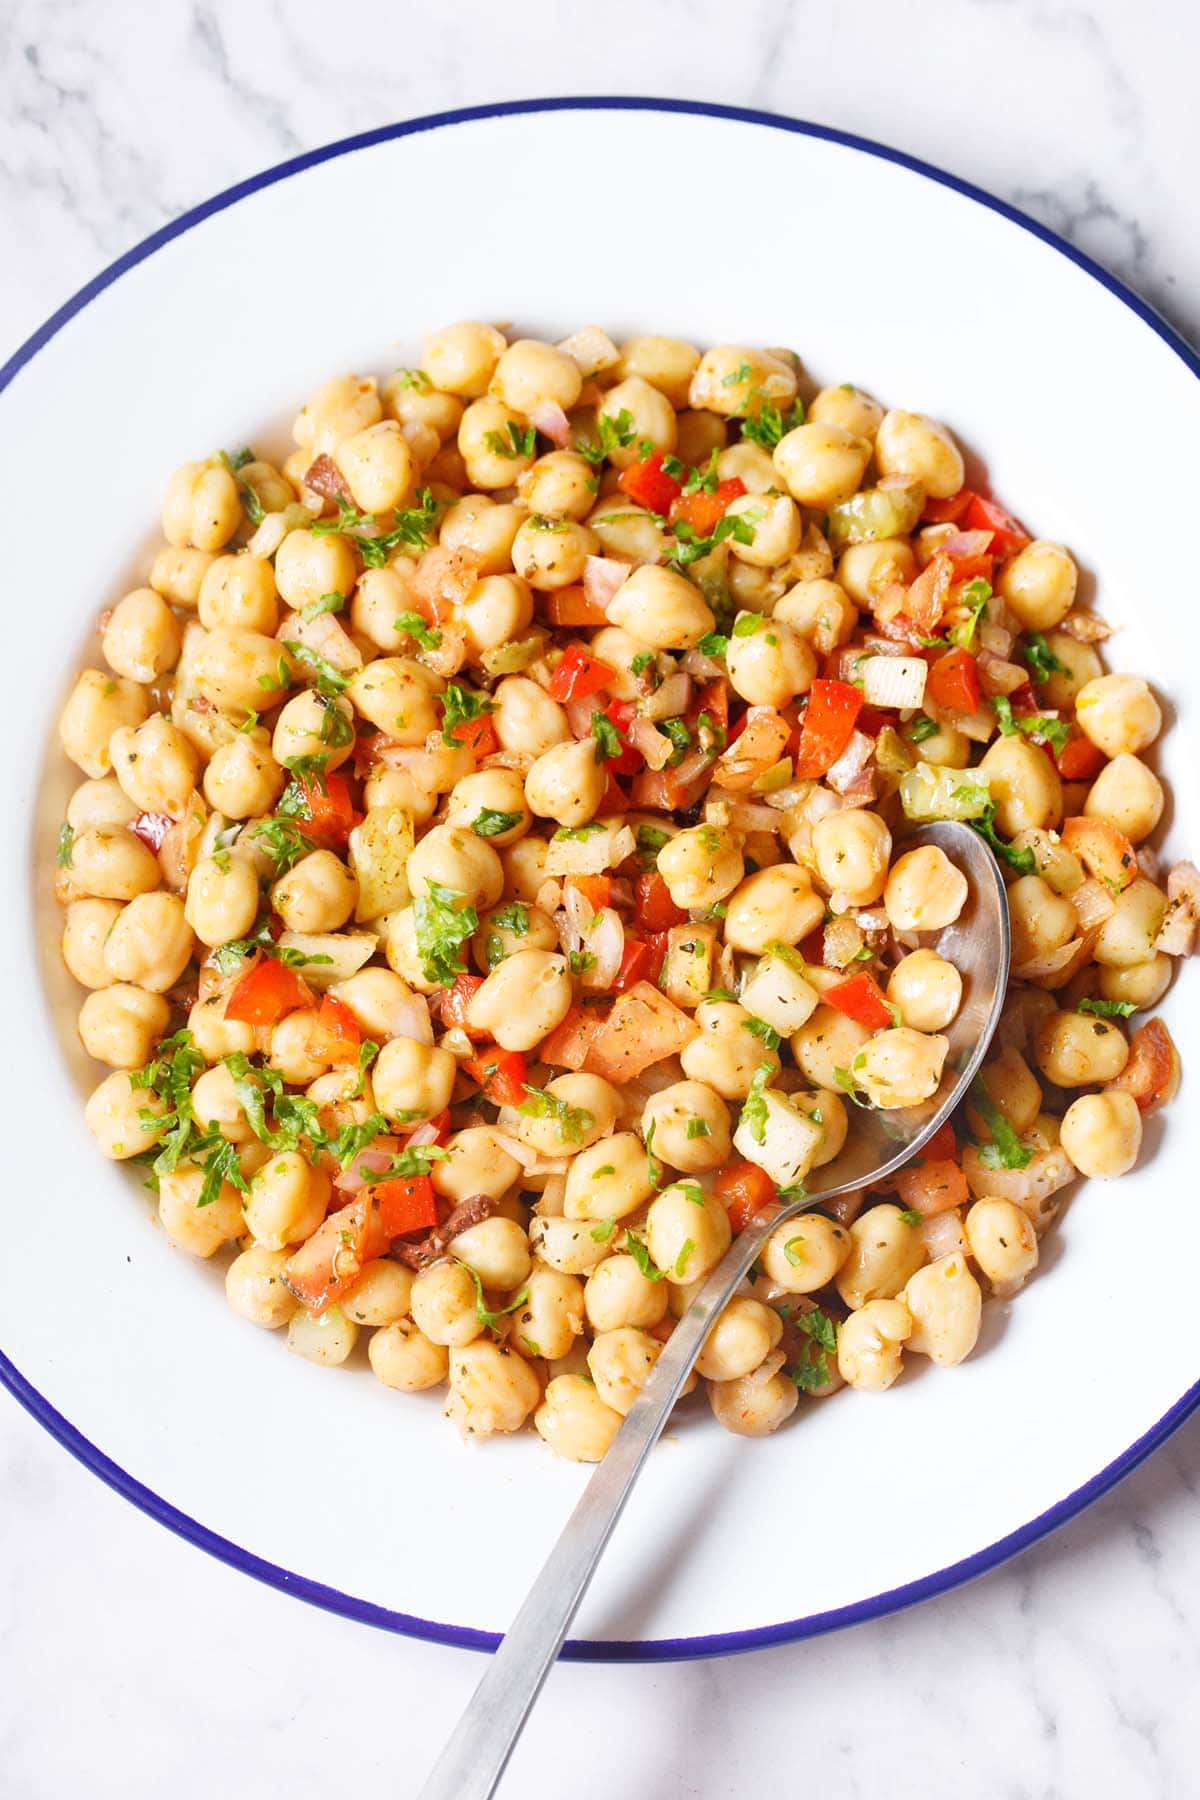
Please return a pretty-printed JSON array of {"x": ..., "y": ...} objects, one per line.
[
  {"x": 479, "y": 736},
  {"x": 745, "y": 1190},
  {"x": 579, "y": 675},
  {"x": 568, "y": 1045},
  {"x": 330, "y": 816},
  {"x": 266, "y": 993},
  {"x": 829, "y": 721},
  {"x": 340, "y": 1031},
  {"x": 942, "y": 1146},
  {"x": 597, "y": 890},
  {"x": 406, "y": 1203},
  {"x": 455, "y": 1001},
  {"x": 953, "y": 682},
  {"x": 1080, "y": 759},
  {"x": 704, "y": 511},
  {"x": 949, "y": 511},
  {"x": 929, "y": 595},
  {"x": 985, "y": 515},
  {"x": 656, "y": 944},
  {"x": 862, "y": 999},
  {"x": 635, "y": 960},
  {"x": 648, "y": 484},
  {"x": 620, "y": 714},
  {"x": 653, "y": 907},
  {"x": 501, "y": 1075}
]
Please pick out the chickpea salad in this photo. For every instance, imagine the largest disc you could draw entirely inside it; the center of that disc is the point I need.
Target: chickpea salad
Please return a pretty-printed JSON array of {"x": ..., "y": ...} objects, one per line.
[{"x": 489, "y": 876}]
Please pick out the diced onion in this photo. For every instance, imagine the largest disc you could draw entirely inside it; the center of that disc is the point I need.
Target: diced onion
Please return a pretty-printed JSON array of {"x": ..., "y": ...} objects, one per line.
[
  {"x": 1093, "y": 904},
  {"x": 552, "y": 422},
  {"x": 1178, "y": 934},
  {"x": 592, "y": 349},
  {"x": 853, "y": 773},
  {"x": 653, "y": 744},
  {"x": 894, "y": 680},
  {"x": 602, "y": 577},
  {"x": 943, "y": 1235},
  {"x": 605, "y": 940},
  {"x": 670, "y": 700}
]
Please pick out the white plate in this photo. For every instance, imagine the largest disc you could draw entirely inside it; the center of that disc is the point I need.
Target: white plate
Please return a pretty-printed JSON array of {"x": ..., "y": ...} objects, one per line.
[{"x": 643, "y": 216}]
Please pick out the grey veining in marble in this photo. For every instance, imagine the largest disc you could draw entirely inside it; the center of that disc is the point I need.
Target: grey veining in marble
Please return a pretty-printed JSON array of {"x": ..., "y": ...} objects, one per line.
[{"x": 132, "y": 1665}]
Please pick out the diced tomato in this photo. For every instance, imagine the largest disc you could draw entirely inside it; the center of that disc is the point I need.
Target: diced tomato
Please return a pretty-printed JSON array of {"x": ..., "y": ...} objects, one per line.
[
  {"x": 703, "y": 511},
  {"x": 635, "y": 964},
  {"x": 614, "y": 798},
  {"x": 152, "y": 828},
  {"x": 648, "y": 484},
  {"x": 953, "y": 682},
  {"x": 455, "y": 1001},
  {"x": 620, "y": 713},
  {"x": 1007, "y": 535},
  {"x": 1079, "y": 759},
  {"x": 406, "y": 1203},
  {"x": 942, "y": 1146},
  {"x": 266, "y": 993},
  {"x": 949, "y": 511},
  {"x": 330, "y": 810},
  {"x": 500, "y": 1074},
  {"x": 829, "y": 721},
  {"x": 579, "y": 675},
  {"x": 324, "y": 1269},
  {"x": 643, "y": 1028},
  {"x": 713, "y": 699},
  {"x": 862, "y": 999},
  {"x": 745, "y": 1190},
  {"x": 597, "y": 890},
  {"x": 976, "y": 565},
  {"x": 339, "y": 1030},
  {"x": 932, "y": 1185},
  {"x": 570, "y": 606},
  {"x": 568, "y": 1045},
  {"x": 1152, "y": 1073},
  {"x": 653, "y": 907},
  {"x": 928, "y": 596},
  {"x": 479, "y": 736},
  {"x": 812, "y": 948}
]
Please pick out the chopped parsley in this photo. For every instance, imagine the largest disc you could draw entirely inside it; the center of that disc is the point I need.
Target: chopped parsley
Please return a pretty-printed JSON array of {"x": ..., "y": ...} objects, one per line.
[
  {"x": 66, "y": 846},
  {"x": 747, "y": 623},
  {"x": 754, "y": 1106},
  {"x": 580, "y": 961},
  {"x": 1107, "y": 1009},
  {"x": 760, "y": 1029},
  {"x": 769, "y": 424},
  {"x": 1023, "y": 861},
  {"x": 227, "y": 958},
  {"x": 713, "y": 643},
  {"x": 822, "y": 1333},
  {"x": 1041, "y": 659},
  {"x": 742, "y": 373},
  {"x": 490, "y": 1320},
  {"x": 910, "y": 1216},
  {"x": 459, "y": 706},
  {"x": 521, "y": 441},
  {"x": 513, "y": 917},
  {"x": 642, "y": 661},
  {"x": 690, "y": 547},
  {"x": 922, "y": 727},
  {"x": 578, "y": 834},
  {"x": 680, "y": 736},
  {"x": 609, "y": 744},
  {"x": 1052, "y": 731},
  {"x": 328, "y": 603},
  {"x": 490, "y": 823},
  {"x": 975, "y": 597},
  {"x": 329, "y": 681},
  {"x": 613, "y": 434},
  {"x": 418, "y": 629},
  {"x": 604, "y": 1230},
  {"x": 684, "y": 1258},
  {"x": 572, "y": 1121},
  {"x": 170, "y": 1074},
  {"x": 654, "y": 1169},
  {"x": 650, "y": 840},
  {"x": 413, "y": 527},
  {"x": 407, "y": 1164},
  {"x": 697, "y": 1128},
  {"x": 283, "y": 841},
  {"x": 846, "y": 1082},
  {"x": 1006, "y": 1151},
  {"x": 443, "y": 926},
  {"x": 641, "y": 1256}
]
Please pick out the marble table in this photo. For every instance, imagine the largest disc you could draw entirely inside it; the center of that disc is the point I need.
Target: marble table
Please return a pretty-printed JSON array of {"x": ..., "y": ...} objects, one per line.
[{"x": 133, "y": 1665}]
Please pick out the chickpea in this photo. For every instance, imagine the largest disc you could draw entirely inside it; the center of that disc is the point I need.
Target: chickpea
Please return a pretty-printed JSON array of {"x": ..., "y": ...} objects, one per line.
[
  {"x": 312, "y": 724},
  {"x": 1127, "y": 794},
  {"x": 668, "y": 364},
  {"x": 1075, "y": 1050},
  {"x": 574, "y": 1420},
  {"x": 177, "y": 573},
  {"x": 869, "y": 1352},
  {"x": 87, "y": 925},
  {"x": 885, "y": 1251},
  {"x": 239, "y": 592},
  {"x": 852, "y": 849},
  {"x": 112, "y": 865},
  {"x": 619, "y": 1362},
  {"x": 769, "y": 665},
  {"x": 927, "y": 990},
  {"x": 403, "y": 953},
  {"x": 662, "y": 609},
  {"x": 618, "y": 1295},
  {"x": 550, "y": 553},
  {"x": 1040, "y": 919},
  {"x": 488, "y": 437},
  {"x": 865, "y": 571},
  {"x": 98, "y": 705},
  {"x": 475, "y": 1164},
  {"x": 775, "y": 905},
  {"x": 120, "y": 1025},
  {"x": 1003, "y": 1243},
  {"x": 392, "y": 692},
  {"x": 805, "y": 1253},
  {"x": 913, "y": 445},
  {"x": 690, "y": 1124},
  {"x": 142, "y": 638},
  {"x": 270, "y": 486},
  {"x": 821, "y": 465},
  {"x": 498, "y": 610},
  {"x": 627, "y": 532},
  {"x": 491, "y": 1389},
  {"x": 100, "y": 804},
  {"x": 752, "y": 466},
  {"x": 1144, "y": 984},
  {"x": 947, "y": 748},
  {"x": 202, "y": 508},
  {"x": 378, "y": 466},
  {"x": 462, "y": 358},
  {"x": 404, "y": 1358},
  {"x": 491, "y": 790},
  {"x": 848, "y": 407},
  {"x": 327, "y": 1340},
  {"x": 1118, "y": 713},
  {"x": 151, "y": 943},
  {"x": 200, "y": 1230},
  {"x": 1128, "y": 936},
  {"x": 450, "y": 857},
  {"x": 380, "y": 597},
  {"x": 528, "y": 722},
  {"x": 595, "y": 1106},
  {"x": 827, "y": 1041},
  {"x": 522, "y": 999},
  {"x": 155, "y": 765},
  {"x": 735, "y": 381},
  {"x": 217, "y": 1106},
  {"x": 725, "y": 1056},
  {"x": 485, "y": 529},
  {"x": 443, "y": 1304},
  {"x": 298, "y": 1046},
  {"x": 222, "y": 899},
  {"x": 776, "y": 526},
  {"x": 287, "y": 1198},
  {"x": 1081, "y": 664},
  {"x": 317, "y": 894},
  {"x": 121, "y": 1117},
  {"x": 381, "y": 1294},
  {"x": 756, "y": 1404},
  {"x": 945, "y": 1304},
  {"x": 552, "y": 1317},
  {"x": 243, "y": 780},
  {"x": 652, "y": 414},
  {"x": 496, "y": 938},
  {"x": 701, "y": 866},
  {"x": 608, "y": 1180},
  {"x": 687, "y": 1231},
  {"x": 1102, "y": 1134},
  {"x": 559, "y": 486},
  {"x": 410, "y": 398},
  {"x": 697, "y": 435},
  {"x": 1038, "y": 585},
  {"x": 566, "y": 783},
  {"x": 524, "y": 869},
  {"x": 240, "y": 670},
  {"x": 1025, "y": 785},
  {"x": 569, "y": 1246},
  {"x": 820, "y": 612},
  {"x": 530, "y": 372},
  {"x": 412, "y": 1080},
  {"x": 341, "y": 406},
  {"x": 743, "y": 1337},
  {"x": 901, "y": 1067},
  {"x": 308, "y": 567},
  {"x": 254, "y": 1287},
  {"x": 924, "y": 891},
  {"x": 497, "y": 1250}
]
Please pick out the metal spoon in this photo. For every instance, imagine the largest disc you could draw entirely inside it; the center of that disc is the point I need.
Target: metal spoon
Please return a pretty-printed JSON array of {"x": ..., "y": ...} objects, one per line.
[{"x": 477, "y": 1753}]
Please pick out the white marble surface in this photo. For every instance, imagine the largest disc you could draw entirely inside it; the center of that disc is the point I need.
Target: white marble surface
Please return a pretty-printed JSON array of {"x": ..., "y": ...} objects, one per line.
[{"x": 134, "y": 1666}]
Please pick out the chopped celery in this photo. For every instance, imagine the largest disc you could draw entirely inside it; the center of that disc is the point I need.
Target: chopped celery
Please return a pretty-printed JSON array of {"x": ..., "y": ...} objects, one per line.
[
  {"x": 927, "y": 793},
  {"x": 878, "y": 512}
]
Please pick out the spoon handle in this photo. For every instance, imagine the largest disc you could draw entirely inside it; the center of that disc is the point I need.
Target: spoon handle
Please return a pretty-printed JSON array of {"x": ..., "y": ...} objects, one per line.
[{"x": 478, "y": 1750}]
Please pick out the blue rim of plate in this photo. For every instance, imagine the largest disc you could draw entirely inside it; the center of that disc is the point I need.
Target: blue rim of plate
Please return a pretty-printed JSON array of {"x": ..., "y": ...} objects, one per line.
[{"x": 461, "y": 1636}]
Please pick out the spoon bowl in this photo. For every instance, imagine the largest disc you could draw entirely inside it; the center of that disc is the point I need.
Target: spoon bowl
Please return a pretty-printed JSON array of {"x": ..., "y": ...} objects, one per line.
[{"x": 978, "y": 944}]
